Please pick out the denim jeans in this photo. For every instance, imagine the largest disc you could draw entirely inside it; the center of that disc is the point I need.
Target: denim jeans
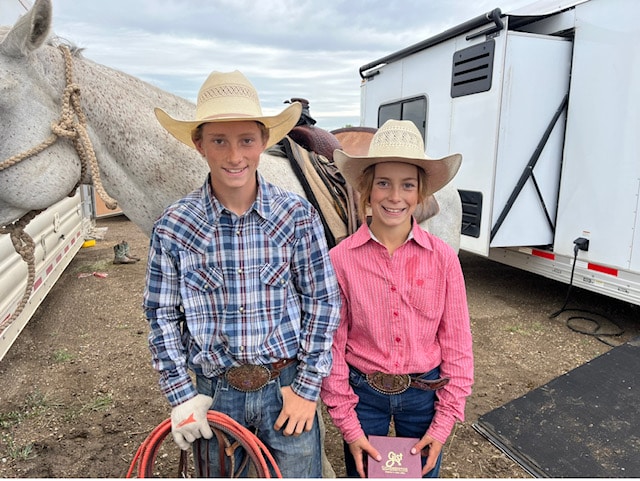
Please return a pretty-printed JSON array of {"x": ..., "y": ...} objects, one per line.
[
  {"x": 296, "y": 456},
  {"x": 412, "y": 412}
]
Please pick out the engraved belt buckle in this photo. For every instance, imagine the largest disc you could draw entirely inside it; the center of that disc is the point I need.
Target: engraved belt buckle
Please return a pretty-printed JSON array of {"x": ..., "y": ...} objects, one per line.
[
  {"x": 388, "y": 383},
  {"x": 248, "y": 377}
]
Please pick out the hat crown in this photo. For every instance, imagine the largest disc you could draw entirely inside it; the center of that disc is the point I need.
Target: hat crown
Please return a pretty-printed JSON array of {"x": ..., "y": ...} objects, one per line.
[
  {"x": 398, "y": 141},
  {"x": 225, "y": 95},
  {"x": 397, "y": 138},
  {"x": 230, "y": 97}
]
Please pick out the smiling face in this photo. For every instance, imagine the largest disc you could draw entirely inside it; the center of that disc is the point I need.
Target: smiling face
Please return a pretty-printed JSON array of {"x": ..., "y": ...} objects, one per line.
[
  {"x": 394, "y": 195},
  {"x": 232, "y": 150}
]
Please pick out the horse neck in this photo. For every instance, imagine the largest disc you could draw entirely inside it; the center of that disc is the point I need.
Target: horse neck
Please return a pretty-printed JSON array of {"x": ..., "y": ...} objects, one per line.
[
  {"x": 140, "y": 165},
  {"x": 112, "y": 94},
  {"x": 119, "y": 114}
]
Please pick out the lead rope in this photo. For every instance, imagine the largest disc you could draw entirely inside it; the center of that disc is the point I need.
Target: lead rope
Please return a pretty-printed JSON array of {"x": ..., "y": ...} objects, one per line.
[
  {"x": 72, "y": 125},
  {"x": 25, "y": 247},
  {"x": 77, "y": 130}
]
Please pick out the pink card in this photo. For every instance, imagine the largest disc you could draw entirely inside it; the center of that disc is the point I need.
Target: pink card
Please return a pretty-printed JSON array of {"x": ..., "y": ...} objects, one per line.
[{"x": 397, "y": 460}]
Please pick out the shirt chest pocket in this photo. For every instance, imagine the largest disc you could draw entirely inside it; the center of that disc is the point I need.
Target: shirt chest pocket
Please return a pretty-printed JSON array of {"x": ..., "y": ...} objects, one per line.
[
  {"x": 425, "y": 294},
  {"x": 274, "y": 280},
  {"x": 202, "y": 281},
  {"x": 275, "y": 275}
]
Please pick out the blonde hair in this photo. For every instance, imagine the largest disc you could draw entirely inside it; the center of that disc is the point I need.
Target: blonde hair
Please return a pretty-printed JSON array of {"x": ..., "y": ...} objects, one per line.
[{"x": 365, "y": 186}]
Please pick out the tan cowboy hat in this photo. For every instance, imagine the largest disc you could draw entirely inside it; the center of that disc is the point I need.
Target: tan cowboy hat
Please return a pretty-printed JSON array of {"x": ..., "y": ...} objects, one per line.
[
  {"x": 229, "y": 97},
  {"x": 399, "y": 141}
]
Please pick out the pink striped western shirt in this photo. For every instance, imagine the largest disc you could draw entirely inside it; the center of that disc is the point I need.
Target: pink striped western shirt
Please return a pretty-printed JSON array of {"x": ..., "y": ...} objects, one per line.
[{"x": 402, "y": 313}]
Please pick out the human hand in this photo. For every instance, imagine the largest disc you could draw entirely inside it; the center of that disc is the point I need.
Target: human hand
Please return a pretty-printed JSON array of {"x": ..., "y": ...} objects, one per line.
[
  {"x": 297, "y": 413},
  {"x": 359, "y": 448},
  {"x": 430, "y": 448},
  {"x": 189, "y": 421}
]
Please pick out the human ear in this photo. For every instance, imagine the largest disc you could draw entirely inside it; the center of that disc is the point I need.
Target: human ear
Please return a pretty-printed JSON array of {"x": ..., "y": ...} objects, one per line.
[{"x": 198, "y": 145}]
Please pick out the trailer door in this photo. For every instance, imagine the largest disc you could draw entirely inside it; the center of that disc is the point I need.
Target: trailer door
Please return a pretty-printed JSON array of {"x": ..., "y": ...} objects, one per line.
[{"x": 511, "y": 135}]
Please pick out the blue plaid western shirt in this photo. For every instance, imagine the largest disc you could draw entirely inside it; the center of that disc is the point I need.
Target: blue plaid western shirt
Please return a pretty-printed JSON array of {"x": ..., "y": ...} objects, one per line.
[{"x": 224, "y": 290}]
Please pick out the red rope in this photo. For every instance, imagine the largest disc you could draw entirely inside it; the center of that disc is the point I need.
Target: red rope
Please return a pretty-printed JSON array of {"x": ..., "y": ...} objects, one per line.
[{"x": 145, "y": 456}]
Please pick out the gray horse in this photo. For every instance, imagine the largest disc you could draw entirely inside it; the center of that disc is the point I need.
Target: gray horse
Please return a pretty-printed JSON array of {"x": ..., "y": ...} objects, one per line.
[{"x": 136, "y": 161}]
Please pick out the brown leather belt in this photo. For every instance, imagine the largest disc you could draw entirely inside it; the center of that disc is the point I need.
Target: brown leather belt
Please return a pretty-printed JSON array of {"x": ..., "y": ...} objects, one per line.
[
  {"x": 399, "y": 383},
  {"x": 253, "y": 377}
]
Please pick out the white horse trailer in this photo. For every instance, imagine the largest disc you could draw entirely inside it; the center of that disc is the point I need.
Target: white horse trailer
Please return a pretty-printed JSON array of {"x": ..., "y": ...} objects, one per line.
[
  {"x": 543, "y": 104},
  {"x": 58, "y": 233}
]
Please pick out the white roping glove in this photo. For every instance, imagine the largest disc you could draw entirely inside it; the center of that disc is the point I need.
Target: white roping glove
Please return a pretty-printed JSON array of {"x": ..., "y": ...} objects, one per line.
[{"x": 189, "y": 421}]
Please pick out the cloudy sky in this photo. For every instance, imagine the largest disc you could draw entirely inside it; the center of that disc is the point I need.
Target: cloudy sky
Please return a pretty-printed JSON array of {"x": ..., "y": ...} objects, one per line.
[{"x": 287, "y": 48}]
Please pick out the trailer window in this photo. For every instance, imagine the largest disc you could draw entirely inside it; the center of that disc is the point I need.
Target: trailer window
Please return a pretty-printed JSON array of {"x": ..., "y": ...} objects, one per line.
[
  {"x": 414, "y": 109},
  {"x": 388, "y": 112}
]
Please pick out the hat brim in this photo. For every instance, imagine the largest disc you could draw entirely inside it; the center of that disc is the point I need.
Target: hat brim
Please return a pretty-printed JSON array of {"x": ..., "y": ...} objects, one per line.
[
  {"x": 439, "y": 171},
  {"x": 278, "y": 125}
]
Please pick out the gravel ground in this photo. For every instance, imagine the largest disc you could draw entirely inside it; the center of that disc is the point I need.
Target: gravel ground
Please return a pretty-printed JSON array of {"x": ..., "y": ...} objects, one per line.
[{"x": 79, "y": 396}]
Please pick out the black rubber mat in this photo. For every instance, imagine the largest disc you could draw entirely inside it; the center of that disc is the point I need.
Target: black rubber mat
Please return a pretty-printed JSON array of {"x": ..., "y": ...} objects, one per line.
[{"x": 585, "y": 423}]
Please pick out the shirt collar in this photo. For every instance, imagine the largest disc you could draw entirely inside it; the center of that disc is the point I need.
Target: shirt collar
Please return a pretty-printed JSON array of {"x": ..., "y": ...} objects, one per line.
[
  {"x": 214, "y": 207},
  {"x": 416, "y": 234},
  {"x": 262, "y": 206}
]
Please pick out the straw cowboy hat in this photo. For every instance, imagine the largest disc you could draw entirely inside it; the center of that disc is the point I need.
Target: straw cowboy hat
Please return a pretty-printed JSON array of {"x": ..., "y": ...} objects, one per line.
[
  {"x": 399, "y": 141},
  {"x": 229, "y": 97}
]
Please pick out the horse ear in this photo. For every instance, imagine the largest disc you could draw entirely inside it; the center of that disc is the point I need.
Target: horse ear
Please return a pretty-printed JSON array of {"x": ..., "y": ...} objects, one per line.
[{"x": 29, "y": 32}]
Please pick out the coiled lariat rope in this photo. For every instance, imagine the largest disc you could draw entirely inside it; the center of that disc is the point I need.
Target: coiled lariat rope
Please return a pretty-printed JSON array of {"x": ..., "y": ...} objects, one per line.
[
  {"x": 224, "y": 428},
  {"x": 72, "y": 124}
]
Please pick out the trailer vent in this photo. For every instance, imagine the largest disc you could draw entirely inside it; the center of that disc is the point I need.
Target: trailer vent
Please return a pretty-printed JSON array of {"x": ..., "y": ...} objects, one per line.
[
  {"x": 471, "y": 212},
  {"x": 472, "y": 69}
]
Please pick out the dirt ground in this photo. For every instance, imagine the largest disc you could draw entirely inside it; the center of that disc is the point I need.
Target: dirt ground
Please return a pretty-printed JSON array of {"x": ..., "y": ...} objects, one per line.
[{"x": 78, "y": 394}]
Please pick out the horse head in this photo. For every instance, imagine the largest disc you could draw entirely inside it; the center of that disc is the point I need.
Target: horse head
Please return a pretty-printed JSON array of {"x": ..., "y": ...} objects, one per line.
[
  {"x": 24, "y": 96},
  {"x": 60, "y": 111}
]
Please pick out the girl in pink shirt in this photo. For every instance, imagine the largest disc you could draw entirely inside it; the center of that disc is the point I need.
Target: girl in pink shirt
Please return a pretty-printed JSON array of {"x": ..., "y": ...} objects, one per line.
[{"x": 403, "y": 351}]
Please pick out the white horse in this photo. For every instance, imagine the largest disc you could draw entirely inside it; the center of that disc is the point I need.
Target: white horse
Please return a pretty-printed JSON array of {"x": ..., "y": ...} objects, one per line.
[{"x": 136, "y": 160}]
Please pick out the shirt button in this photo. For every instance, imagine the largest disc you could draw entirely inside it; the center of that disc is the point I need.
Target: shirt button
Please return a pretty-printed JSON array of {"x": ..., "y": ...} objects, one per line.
[
  {"x": 395, "y": 313},
  {"x": 240, "y": 271},
  {"x": 238, "y": 232},
  {"x": 206, "y": 287},
  {"x": 240, "y": 309},
  {"x": 241, "y": 348},
  {"x": 393, "y": 289},
  {"x": 398, "y": 339},
  {"x": 282, "y": 281}
]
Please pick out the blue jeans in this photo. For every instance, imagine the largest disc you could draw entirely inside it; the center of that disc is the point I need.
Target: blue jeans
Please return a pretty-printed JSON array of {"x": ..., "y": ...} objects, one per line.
[
  {"x": 296, "y": 456},
  {"x": 412, "y": 412}
]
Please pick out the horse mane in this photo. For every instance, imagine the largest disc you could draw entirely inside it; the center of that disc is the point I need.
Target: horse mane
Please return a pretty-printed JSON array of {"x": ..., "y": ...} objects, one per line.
[{"x": 57, "y": 41}]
